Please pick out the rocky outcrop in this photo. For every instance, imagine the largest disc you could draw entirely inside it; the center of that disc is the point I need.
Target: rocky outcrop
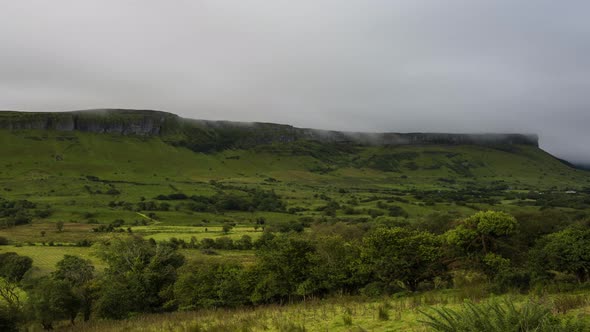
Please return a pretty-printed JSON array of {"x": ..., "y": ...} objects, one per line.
[
  {"x": 203, "y": 135},
  {"x": 124, "y": 122}
]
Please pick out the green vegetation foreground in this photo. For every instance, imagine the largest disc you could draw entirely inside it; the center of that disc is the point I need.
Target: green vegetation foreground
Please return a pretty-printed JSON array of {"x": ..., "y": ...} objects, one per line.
[{"x": 474, "y": 258}]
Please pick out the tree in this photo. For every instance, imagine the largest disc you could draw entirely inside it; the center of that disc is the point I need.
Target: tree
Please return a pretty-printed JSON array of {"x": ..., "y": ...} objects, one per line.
[
  {"x": 10, "y": 294},
  {"x": 226, "y": 228},
  {"x": 59, "y": 226},
  {"x": 79, "y": 273},
  {"x": 482, "y": 232},
  {"x": 566, "y": 251},
  {"x": 336, "y": 265},
  {"x": 12, "y": 269},
  {"x": 260, "y": 223},
  {"x": 139, "y": 276},
  {"x": 210, "y": 286},
  {"x": 399, "y": 254},
  {"x": 284, "y": 264},
  {"x": 244, "y": 243},
  {"x": 52, "y": 300},
  {"x": 13, "y": 266}
]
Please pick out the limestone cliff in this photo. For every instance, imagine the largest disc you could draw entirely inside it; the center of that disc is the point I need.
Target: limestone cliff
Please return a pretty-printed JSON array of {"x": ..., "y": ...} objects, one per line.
[{"x": 204, "y": 135}]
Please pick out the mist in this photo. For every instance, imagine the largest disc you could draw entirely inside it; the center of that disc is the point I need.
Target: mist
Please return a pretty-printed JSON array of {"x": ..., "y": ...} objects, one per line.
[{"x": 458, "y": 66}]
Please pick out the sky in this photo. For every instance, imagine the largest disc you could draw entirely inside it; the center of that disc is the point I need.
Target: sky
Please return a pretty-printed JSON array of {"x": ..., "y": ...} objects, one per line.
[{"x": 460, "y": 66}]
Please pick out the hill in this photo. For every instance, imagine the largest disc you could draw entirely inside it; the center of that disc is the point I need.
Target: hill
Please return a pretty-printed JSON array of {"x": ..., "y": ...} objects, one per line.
[
  {"x": 249, "y": 206},
  {"x": 206, "y": 136},
  {"x": 101, "y": 165}
]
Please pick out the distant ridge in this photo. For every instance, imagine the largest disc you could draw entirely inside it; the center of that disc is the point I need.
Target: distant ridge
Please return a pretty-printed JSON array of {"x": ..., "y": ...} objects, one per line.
[{"x": 206, "y": 135}]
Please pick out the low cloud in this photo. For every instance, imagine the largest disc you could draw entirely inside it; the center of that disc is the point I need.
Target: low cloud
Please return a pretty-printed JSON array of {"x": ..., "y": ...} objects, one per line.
[{"x": 372, "y": 65}]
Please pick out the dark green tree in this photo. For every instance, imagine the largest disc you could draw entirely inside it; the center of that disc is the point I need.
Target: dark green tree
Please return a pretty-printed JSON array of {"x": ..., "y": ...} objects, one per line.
[
  {"x": 403, "y": 255},
  {"x": 11, "y": 305},
  {"x": 79, "y": 273},
  {"x": 51, "y": 300},
  {"x": 210, "y": 286},
  {"x": 284, "y": 264},
  {"x": 567, "y": 251},
  {"x": 13, "y": 266},
  {"x": 139, "y": 276},
  {"x": 337, "y": 265},
  {"x": 226, "y": 228}
]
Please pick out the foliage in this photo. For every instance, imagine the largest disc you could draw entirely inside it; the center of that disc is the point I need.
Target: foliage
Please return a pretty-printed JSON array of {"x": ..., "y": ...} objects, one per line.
[
  {"x": 13, "y": 267},
  {"x": 52, "y": 300},
  {"x": 138, "y": 278},
  {"x": 497, "y": 316},
  {"x": 79, "y": 274},
  {"x": 403, "y": 255},
  {"x": 283, "y": 268},
  {"x": 566, "y": 251},
  {"x": 14, "y": 213},
  {"x": 210, "y": 286},
  {"x": 481, "y": 239}
]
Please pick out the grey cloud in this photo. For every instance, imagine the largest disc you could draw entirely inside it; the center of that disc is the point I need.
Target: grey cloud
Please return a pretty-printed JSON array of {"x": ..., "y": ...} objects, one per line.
[{"x": 370, "y": 65}]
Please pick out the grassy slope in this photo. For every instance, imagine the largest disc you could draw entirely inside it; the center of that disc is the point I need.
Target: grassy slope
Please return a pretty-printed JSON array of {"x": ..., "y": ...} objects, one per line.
[
  {"x": 402, "y": 314},
  {"x": 52, "y": 168}
]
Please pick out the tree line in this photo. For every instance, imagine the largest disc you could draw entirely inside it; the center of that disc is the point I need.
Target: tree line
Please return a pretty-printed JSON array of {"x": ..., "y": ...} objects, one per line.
[{"x": 143, "y": 276}]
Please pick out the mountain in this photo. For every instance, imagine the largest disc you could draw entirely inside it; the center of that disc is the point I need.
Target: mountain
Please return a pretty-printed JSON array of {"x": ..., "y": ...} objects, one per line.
[
  {"x": 97, "y": 161},
  {"x": 204, "y": 135}
]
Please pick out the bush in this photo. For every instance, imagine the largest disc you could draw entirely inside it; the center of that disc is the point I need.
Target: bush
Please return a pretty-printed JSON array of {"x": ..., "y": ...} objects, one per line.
[{"x": 3, "y": 241}]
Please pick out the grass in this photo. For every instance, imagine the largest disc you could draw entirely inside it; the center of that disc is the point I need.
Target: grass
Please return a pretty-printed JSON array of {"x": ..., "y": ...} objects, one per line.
[
  {"x": 333, "y": 314},
  {"x": 52, "y": 169},
  {"x": 71, "y": 233},
  {"x": 186, "y": 233},
  {"x": 45, "y": 257}
]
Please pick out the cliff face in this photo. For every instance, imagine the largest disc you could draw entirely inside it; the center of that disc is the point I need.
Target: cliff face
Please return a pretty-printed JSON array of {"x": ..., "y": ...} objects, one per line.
[
  {"x": 202, "y": 135},
  {"x": 124, "y": 122}
]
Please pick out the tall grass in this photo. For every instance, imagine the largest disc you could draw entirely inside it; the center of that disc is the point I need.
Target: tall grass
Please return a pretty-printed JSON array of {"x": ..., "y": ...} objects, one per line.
[{"x": 566, "y": 302}]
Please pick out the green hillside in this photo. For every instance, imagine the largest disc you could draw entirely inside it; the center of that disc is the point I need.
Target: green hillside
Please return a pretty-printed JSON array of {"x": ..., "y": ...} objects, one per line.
[
  {"x": 231, "y": 205},
  {"x": 78, "y": 174}
]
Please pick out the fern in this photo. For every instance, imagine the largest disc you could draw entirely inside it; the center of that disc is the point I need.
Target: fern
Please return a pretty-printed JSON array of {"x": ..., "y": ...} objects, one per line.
[{"x": 497, "y": 316}]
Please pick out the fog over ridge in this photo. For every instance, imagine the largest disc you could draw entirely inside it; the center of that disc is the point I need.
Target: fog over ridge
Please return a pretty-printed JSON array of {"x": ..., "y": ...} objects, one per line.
[{"x": 457, "y": 66}]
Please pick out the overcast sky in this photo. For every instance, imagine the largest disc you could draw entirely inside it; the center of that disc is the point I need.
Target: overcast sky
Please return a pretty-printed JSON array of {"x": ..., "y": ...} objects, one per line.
[{"x": 366, "y": 65}]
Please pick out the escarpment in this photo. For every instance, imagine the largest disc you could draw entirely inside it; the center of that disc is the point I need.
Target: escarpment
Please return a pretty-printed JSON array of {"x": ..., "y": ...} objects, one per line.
[
  {"x": 206, "y": 135},
  {"x": 124, "y": 122}
]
